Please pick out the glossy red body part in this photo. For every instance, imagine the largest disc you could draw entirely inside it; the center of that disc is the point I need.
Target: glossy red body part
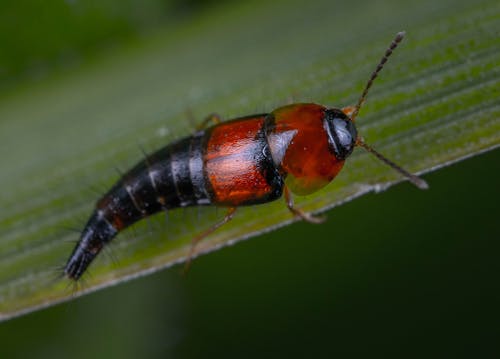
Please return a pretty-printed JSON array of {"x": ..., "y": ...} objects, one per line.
[
  {"x": 298, "y": 144},
  {"x": 309, "y": 163},
  {"x": 231, "y": 168}
]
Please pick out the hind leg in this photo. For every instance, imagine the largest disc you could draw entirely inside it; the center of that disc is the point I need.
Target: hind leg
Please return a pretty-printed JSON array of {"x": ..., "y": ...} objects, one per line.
[{"x": 229, "y": 215}]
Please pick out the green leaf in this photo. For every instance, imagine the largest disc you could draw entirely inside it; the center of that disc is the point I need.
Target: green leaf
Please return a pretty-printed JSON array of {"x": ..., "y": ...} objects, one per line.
[{"x": 436, "y": 102}]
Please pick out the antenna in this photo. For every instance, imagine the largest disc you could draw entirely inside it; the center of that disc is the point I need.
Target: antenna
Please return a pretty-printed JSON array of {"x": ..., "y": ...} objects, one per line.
[
  {"x": 380, "y": 66},
  {"x": 415, "y": 180}
]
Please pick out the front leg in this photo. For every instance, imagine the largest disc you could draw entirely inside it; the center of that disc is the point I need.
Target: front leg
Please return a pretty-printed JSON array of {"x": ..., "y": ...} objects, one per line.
[{"x": 299, "y": 213}]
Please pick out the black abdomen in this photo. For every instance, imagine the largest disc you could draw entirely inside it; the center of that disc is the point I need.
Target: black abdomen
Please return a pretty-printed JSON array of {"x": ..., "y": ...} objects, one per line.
[{"x": 169, "y": 178}]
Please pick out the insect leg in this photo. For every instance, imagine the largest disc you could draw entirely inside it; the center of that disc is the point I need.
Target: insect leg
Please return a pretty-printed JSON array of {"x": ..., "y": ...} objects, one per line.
[
  {"x": 229, "y": 215},
  {"x": 299, "y": 213},
  {"x": 213, "y": 118}
]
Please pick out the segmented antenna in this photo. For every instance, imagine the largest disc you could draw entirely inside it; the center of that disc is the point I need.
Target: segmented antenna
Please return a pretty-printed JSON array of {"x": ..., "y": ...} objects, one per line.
[
  {"x": 417, "y": 181},
  {"x": 380, "y": 66}
]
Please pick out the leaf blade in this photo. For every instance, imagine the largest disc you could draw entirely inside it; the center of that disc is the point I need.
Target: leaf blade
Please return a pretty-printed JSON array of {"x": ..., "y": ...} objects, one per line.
[{"x": 429, "y": 108}]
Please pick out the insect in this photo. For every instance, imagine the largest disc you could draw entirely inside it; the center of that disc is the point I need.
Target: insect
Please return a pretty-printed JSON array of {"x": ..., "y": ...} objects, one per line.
[{"x": 249, "y": 160}]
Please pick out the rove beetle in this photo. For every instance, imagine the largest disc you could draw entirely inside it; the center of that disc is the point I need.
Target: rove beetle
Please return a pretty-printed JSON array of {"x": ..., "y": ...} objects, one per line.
[{"x": 249, "y": 160}]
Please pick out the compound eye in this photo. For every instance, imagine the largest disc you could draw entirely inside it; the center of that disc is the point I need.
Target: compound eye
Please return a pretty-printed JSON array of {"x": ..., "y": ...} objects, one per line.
[
  {"x": 343, "y": 129},
  {"x": 341, "y": 133}
]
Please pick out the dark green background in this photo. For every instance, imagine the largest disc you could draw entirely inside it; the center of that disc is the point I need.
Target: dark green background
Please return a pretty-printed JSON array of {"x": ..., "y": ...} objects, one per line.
[{"x": 405, "y": 272}]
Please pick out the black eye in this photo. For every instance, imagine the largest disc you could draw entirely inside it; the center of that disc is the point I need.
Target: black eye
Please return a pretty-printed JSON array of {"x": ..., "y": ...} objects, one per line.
[{"x": 341, "y": 133}]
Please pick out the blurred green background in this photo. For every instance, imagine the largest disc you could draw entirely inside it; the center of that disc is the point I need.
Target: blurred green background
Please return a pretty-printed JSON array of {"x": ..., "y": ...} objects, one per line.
[
  {"x": 403, "y": 273},
  {"x": 40, "y": 37}
]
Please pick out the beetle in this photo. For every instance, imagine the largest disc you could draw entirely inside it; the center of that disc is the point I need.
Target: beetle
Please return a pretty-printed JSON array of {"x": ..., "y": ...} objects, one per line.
[{"x": 249, "y": 160}]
